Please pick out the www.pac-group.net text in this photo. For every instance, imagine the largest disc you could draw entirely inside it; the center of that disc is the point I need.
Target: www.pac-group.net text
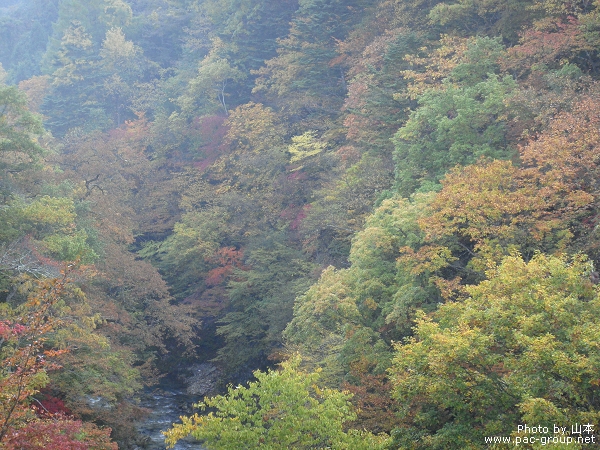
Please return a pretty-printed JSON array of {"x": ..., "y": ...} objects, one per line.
[{"x": 527, "y": 435}]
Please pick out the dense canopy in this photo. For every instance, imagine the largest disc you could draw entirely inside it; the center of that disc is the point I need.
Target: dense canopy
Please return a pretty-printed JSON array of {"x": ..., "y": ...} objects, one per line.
[{"x": 378, "y": 219}]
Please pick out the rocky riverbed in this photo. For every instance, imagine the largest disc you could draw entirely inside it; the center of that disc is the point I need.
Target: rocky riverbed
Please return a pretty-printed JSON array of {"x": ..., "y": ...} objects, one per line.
[
  {"x": 166, "y": 406},
  {"x": 167, "y": 403}
]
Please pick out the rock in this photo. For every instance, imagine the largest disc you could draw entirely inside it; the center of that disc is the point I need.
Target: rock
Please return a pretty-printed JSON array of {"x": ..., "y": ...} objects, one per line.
[{"x": 204, "y": 381}]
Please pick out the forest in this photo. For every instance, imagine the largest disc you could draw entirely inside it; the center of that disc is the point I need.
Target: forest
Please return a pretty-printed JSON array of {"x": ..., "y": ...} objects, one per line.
[{"x": 380, "y": 220}]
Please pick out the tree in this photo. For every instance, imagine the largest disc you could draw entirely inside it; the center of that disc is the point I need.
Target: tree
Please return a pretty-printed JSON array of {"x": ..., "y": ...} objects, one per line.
[
  {"x": 28, "y": 335},
  {"x": 22, "y": 342},
  {"x": 207, "y": 92},
  {"x": 74, "y": 98},
  {"x": 346, "y": 321},
  {"x": 261, "y": 297},
  {"x": 123, "y": 65},
  {"x": 26, "y": 27},
  {"x": 60, "y": 433},
  {"x": 282, "y": 409},
  {"x": 486, "y": 210},
  {"x": 505, "y": 18},
  {"x": 549, "y": 45},
  {"x": 304, "y": 71},
  {"x": 19, "y": 131},
  {"x": 521, "y": 348},
  {"x": 249, "y": 30},
  {"x": 456, "y": 122},
  {"x": 110, "y": 173}
]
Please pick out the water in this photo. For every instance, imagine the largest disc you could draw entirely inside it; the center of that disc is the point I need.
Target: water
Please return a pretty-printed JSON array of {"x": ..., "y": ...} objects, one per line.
[{"x": 166, "y": 406}]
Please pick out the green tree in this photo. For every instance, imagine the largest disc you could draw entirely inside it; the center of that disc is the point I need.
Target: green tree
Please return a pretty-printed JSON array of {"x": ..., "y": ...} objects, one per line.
[
  {"x": 19, "y": 132},
  {"x": 25, "y": 29},
  {"x": 74, "y": 97},
  {"x": 87, "y": 42},
  {"x": 345, "y": 322},
  {"x": 304, "y": 72},
  {"x": 522, "y": 348},
  {"x": 261, "y": 298},
  {"x": 207, "y": 92},
  {"x": 249, "y": 29},
  {"x": 495, "y": 17},
  {"x": 376, "y": 291},
  {"x": 456, "y": 122},
  {"x": 282, "y": 409}
]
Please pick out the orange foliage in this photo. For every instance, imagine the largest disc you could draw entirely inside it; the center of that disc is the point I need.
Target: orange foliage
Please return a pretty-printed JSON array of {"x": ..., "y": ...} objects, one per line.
[
  {"x": 60, "y": 433},
  {"x": 376, "y": 409},
  {"x": 550, "y": 43},
  {"x": 494, "y": 207},
  {"x": 227, "y": 258},
  {"x": 25, "y": 361}
]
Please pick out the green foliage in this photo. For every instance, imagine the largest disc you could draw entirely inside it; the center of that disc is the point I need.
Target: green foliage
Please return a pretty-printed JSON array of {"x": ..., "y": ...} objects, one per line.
[
  {"x": 304, "y": 146},
  {"x": 261, "y": 299},
  {"x": 282, "y": 409},
  {"x": 207, "y": 92},
  {"x": 375, "y": 106},
  {"x": 373, "y": 301},
  {"x": 51, "y": 222},
  {"x": 19, "y": 131},
  {"x": 304, "y": 71},
  {"x": 73, "y": 100},
  {"x": 249, "y": 29},
  {"x": 526, "y": 337},
  {"x": 25, "y": 29},
  {"x": 505, "y": 18},
  {"x": 196, "y": 237},
  {"x": 456, "y": 123}
]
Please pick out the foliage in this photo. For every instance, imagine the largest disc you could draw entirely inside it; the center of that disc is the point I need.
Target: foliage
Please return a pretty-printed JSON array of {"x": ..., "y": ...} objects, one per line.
[
  {"x": 346, "y": 321},
  {"x": 282, "y": 409},
  {"x": 304, "y": 146},
  {"x": 456, "y": 123},
  {"x": 24, "y": 364},
  {"x": 207, "y": 91},
  {"x": 303, "y": 173},
  {"x": 26, "y": 27},
  {"x": 376, "y": 290},
  {"x": 501, "y": 18},
  {"x": 52, "y": 330},
  {"x": 304, "y": 71},
  {"x": 261, "y": 297},
  {"x": 60, "y": 434},
  {"x": 19, "y": 131},
  {"x": 489, "y": 209},
  {"x": 522, "y": 348}
]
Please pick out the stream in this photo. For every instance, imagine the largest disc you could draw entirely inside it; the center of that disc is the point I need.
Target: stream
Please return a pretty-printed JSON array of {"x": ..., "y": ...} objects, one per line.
[{"x": 167, "y": 406}]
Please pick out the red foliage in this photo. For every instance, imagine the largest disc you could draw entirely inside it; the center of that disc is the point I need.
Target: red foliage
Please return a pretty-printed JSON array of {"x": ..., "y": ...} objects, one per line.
[
  {"x": 212, "y": 132},
  {"x": 373, "y": 400},
  {"x": 49, "y": 265},
  {"x": 49, "y": 406},
  {"x": 548, "y": 44},
  {"x": 59, "y": 433},
  {"x": 24, "y": 356},
  {"x": 5, "y": 329},
  {"x": 216, "y": 275},
  {"x": 348, "y": 154},
  {"x": 295, "y": 214},
  {"x": 297, "y": 175},
  {"x": 8, "y": 330},
  {"x": 227, "y": 258}
]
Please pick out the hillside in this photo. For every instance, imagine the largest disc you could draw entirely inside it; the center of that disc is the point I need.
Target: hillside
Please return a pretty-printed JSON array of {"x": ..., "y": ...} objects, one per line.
[{"x": 395, "y": 199}]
